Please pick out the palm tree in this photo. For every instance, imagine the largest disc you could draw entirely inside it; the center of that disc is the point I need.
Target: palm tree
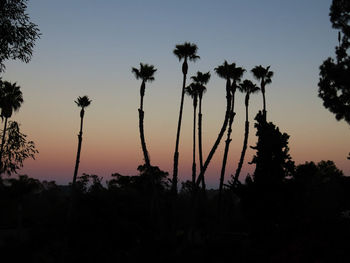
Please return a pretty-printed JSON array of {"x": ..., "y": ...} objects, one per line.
[
  {"x": 235, "y": 74},
  {"x": 193, "y": 90},
  {"x": 81, "y": 102},
  {"x": 202, "y": 79},
  {"x": 186, "y": 51},
  {"x": 264, "y": 75},
  {"x": 248, "y": 88},
  {"x": 145, "y": 73},
  {"x": 224, "y": 72},
  {"x": 11, "y": 99}
]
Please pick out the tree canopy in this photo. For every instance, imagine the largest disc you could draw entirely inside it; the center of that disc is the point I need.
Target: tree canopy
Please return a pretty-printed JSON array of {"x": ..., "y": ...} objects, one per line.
[
  {"x": 17, "y": 148},
  {"x": 334, "y": 83},
  {"x": 17, "y": 33}
]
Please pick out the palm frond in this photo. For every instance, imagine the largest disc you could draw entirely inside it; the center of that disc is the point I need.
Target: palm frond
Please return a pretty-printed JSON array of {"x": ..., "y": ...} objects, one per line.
[
  {"x": 11, "y": 98},
  {"x": 83, "y": 101},
  {"x": 186, "y": 50},
  {"x": 146, "y": 72}
]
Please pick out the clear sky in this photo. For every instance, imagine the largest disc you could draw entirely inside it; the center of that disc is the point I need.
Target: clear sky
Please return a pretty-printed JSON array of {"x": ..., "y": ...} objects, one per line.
[{"x": 89, "y": 47}]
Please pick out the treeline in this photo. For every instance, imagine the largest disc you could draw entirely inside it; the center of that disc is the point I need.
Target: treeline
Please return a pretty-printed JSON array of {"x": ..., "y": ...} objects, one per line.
[{"x": 302, "y": 218}]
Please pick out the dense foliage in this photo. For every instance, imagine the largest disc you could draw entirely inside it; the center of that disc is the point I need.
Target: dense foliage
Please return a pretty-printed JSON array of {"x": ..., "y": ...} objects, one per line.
[
  {"x": 18, "y": 33},
  {"x": 334, "y": 84}
]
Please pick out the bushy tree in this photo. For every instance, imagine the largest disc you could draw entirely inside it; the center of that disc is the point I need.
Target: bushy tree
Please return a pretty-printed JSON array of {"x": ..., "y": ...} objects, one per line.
[
  {"x": 17, "y": 148},
  {"x": 17, "y": 33},
  {"x": 334, "y": 83},
  {"x": 272, "y": 159}
]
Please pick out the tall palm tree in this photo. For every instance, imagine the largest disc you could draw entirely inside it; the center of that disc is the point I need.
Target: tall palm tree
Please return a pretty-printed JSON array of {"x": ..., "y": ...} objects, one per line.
[
  {"x": 193, "y": 90},
  {"x": 145, "y": 73},
  {"x": 264, "y": 75},
  {"x": 235, "y": 74},
  {"x": 202, "y": 79},
  {"x": 186, "y": 51},
  {"x": 11, "y": 99},
  {"x": 223, "y": 71},
  {"x": 81, "y": 102},
  {"x": 248, "y": 88}
]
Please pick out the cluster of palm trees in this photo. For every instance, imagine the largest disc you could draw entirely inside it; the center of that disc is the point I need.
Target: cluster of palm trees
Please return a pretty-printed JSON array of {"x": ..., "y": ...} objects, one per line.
[
  {"x": 233, "y": 76},
  {"x": 196, "y": 89},
  {"x": 11, "y": 99}
]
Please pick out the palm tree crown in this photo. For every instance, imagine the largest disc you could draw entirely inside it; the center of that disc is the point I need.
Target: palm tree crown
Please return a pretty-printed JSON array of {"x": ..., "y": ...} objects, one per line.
[
  {"x": 83, "y": 102},
  {"x": 202, "y": 79},
  {"x": 248, "y": 87},
  {"x": 235, "y": 73},
  {"x": 223, "y": 70},
  {"x": 186, "y": 51},
  {"x": 11, "y": 98},
  {"x": 193, "y": 90},
  {"x": 263, "y": 74},
  {"x": 146, "y": 72}
]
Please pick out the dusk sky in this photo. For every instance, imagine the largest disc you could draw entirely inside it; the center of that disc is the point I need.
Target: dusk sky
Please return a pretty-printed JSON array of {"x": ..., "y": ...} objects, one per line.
[{"x": 89, "y": 48}]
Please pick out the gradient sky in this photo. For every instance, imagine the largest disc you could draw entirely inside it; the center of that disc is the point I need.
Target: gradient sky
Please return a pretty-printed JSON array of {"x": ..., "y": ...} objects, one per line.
[{"x": 89, "y": 47}]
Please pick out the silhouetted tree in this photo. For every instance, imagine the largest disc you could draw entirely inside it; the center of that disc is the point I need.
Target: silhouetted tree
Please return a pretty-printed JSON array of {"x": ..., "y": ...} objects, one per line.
[
  {"x": 334, "y": 83},
  {"x": 81, "y": 102},
  {"x": 89, "y": 183},
  {"x": 16, "y": 149},
  {"x": 224, "y": 72},
  {"x": 320, "y": 189},
  {"x": 264, "y": 75},
  {"x": 186, "y": 51},
  {"x": 193, "y": 91},
  {"x": 272, "y": 159},
  {"x": 202, "y": 79},
  {"x": 145, "y": 73},
  {"x": 305, "y": 173},
  {"x": 236, "y": 74},
  {"x": 17, "y": 33},
  {"x": 248, "y": 88},
  {"x": 11, "y": 99},
  {"x": 149, "y": 180}
]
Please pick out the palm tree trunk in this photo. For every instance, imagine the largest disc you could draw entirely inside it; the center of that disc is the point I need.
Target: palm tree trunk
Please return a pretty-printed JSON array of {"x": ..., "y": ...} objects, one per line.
[
  {"x": 194, "y": 146},
  {"x": 176, "y": 153},
  {"x": 2, "y": 144},
  {"x": 245, "y": 142},
  {"x": 227, "y": 147},
  {"x": 142, "y": 133},
  {"x": 200, "y": 149},
  {"x": 218, "y": 140},
  {"x": 142, "y": 93},
  {"x": 142, "y": 137},
  {"x": 80, "y": 138},
  {"x": 264, "y": 100}
]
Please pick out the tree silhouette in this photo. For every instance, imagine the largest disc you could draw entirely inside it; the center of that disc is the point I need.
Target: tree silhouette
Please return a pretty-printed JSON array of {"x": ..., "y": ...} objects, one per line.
[
  {"x": 248, "y": 88},
  {"x": 16, "y": 149},
  {"x": 82, "y": 102},
  {"x": 272, "y": 159},
  {"x": 17, "y": 33},
  {"x": 223, "y": 71},
  {"x": 334, "y": 80},
  {"x": 193, "y": 91},
  {"x": 264, "y": 75},
  {"x": 186, "y": 51},
  {"x": 11, "y": 99},
  {"x": 202, "y": 79},
  {"x": 145, "y": 73},
  {"x": 235, "y": 73}
]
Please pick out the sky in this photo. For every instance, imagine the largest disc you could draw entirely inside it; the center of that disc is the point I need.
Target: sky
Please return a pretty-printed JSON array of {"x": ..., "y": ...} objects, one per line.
[{"x": 89, "y": 47}]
